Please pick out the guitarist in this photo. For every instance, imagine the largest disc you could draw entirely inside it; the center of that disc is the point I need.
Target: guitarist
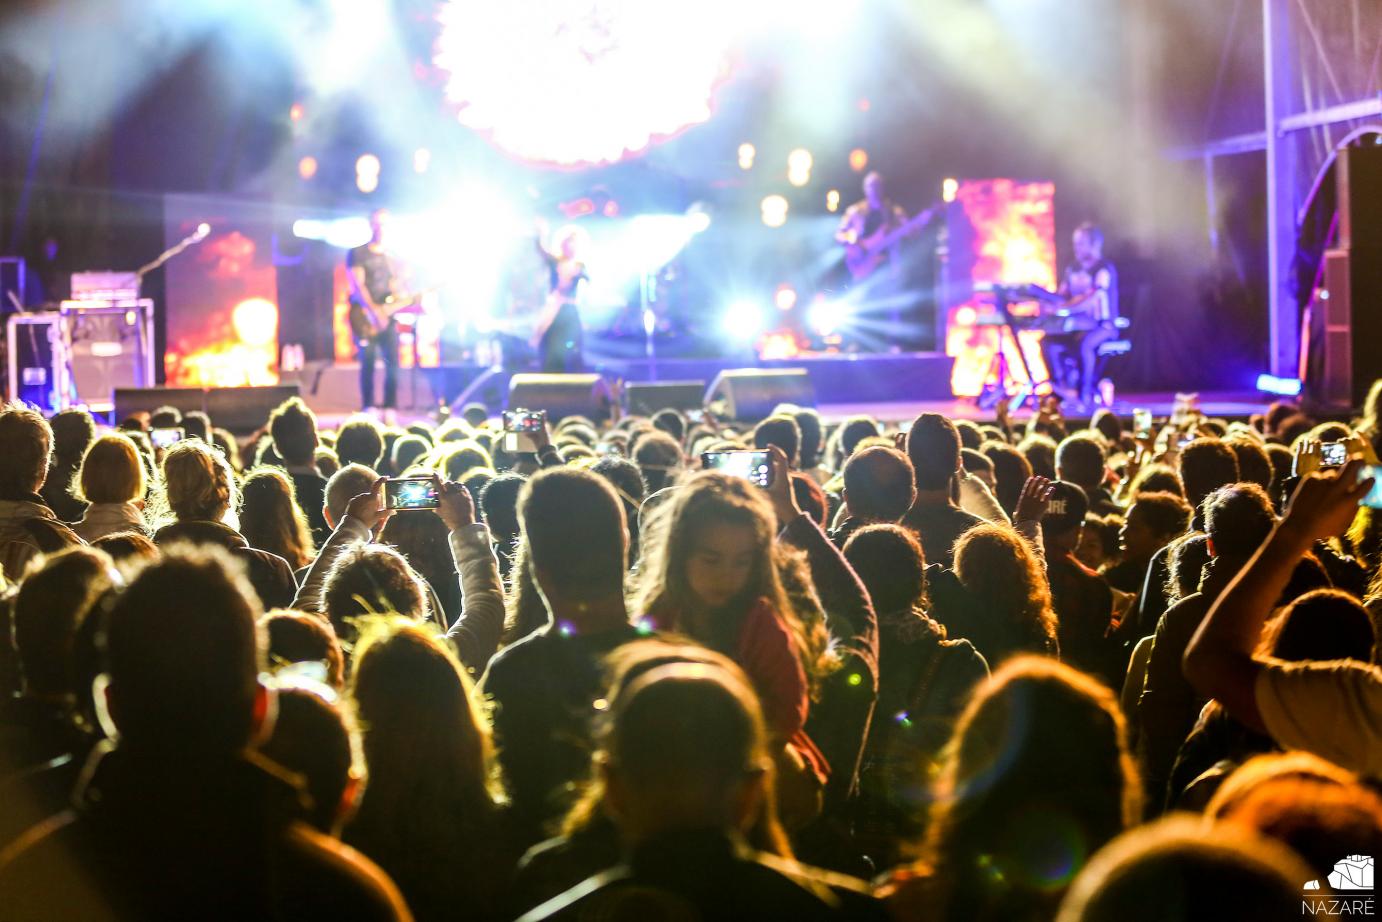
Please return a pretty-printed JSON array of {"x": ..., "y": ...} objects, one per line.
[
  {"x": 374, "y": 276},
  {"x": 872, "y": 218}
]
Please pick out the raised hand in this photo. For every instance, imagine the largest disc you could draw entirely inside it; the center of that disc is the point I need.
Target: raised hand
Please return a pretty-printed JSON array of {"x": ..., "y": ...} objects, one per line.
[
  {"x": 1326, "y": 501},
  {"x": 780, "y": 490},
  {"x": 456, "y": 506},
  {"x": 368, "y": 508},
  {"x": 1308, "y": 459},
  {"x": 1035, "y": 498}
]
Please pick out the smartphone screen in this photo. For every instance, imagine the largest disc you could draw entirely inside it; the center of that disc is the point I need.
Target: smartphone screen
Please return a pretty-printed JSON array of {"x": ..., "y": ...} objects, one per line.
[
  {"x": 1141, "y": 421},
  {"x": 524, "y": 420},
  {"x": 166, "y": 438},
  {"x": 1334, "y": 454},
  {"x": 1374, "y": 498},
  {"x": 403, "y": 493},
  {"x": 753, "y": 466}
]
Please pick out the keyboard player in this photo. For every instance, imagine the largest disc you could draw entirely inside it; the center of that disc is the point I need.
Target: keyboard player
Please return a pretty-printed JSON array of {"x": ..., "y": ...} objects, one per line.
[{"x": 1089, "y": 290}]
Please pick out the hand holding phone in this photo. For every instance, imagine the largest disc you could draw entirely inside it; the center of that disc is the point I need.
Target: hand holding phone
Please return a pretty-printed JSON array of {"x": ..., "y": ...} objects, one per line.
[
  {"x": 753, "y": 466},
  {"x": 524, "y": 430},
  {"x": 166, "y": 438},
  {"x": 1334, "y": 454},
  {"x": 403, "y": 494}
]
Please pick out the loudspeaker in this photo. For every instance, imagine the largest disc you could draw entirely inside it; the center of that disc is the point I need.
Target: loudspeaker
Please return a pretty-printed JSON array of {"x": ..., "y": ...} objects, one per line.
[
  {"x": 647, "y": 398},
  {"x": 561, "y": 395},
  {"x": 750, "y": 394},
  {"x": 245, "y": 409},
  {"x": 132, "y": 400},
  {"x": 112, "y": 348},
  {"x": 1358, "y": 179}
]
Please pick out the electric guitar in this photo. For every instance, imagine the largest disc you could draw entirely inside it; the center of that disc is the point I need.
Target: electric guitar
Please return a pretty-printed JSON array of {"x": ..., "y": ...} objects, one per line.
[
  {"x": 866, "y": 254},
  {"x": 367, "y": 322}
]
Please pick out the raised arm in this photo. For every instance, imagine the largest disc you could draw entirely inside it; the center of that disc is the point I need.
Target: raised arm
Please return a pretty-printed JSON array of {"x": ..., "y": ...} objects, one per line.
[
  {"x": 477, "y": 630},
  {"x": 1220, "y": 661},
  {"x": 363, "y": 514}
]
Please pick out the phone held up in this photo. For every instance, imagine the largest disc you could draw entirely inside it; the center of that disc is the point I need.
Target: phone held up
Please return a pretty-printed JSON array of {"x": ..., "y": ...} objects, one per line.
[
  {"x": 405, "y": 493},
  {"x": 166, "y": 438},
  {"x": 753, "y": 466},
  {"x": 519, "y": 426}
]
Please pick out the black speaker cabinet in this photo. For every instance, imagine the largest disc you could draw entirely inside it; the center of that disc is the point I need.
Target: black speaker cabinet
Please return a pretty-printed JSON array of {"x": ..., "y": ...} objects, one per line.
[
  {"x": 645, "y": 399},
  {"x": 561, "y": 395},
  {"x": 750, "y": 394}
]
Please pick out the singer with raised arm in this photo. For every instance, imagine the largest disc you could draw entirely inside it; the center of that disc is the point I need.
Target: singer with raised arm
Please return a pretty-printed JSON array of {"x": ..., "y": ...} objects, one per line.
[
  {"x": 558, "y": 335},
  {"x": 1089, "y": 288},
  {"x": 375, "y": 283}
]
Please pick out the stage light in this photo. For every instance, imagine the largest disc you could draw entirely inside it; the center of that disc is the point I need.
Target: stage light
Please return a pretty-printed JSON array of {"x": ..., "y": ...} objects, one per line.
[
  {"x": 825, "y": 317},
  {"x": 654, "y": 67},
  {"x": 296, "y": 111},
  {"x": 1282, "y": 387},
  {"x": 746, "y": 155},
  {"x": 307, "y": 167},
  {"x": 255, "y": 321},
  {"x": 699, "y": 221},
  {"x": 858, "y": 159},
  {"x": 774, "y": 210},
  {"x": 832, "y": 200},
  {"x": 367, "y": 169},
  {"x": 949, "y": 189},
  {"x": 966, "y": 316},
  {"x": 799, "y": 164},
  {"x": 743, "y": 320},
  {"x": 422, "y": 159},
  {"x": 785, "y": 297}
]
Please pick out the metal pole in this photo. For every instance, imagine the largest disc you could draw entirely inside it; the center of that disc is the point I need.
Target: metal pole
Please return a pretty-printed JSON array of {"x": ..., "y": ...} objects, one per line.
[{"x": 1278, "y": 75}]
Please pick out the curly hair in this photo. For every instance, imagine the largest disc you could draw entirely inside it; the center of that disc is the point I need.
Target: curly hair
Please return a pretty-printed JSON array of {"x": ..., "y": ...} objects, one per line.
[
  {"x": 1004, "y": 579},
  {"x": 198, "y": 483},
  {"x": 713, "y": 498}
]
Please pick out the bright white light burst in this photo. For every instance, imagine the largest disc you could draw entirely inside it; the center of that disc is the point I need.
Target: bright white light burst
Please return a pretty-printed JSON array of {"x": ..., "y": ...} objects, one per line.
[{"x": 581, "y": 82}]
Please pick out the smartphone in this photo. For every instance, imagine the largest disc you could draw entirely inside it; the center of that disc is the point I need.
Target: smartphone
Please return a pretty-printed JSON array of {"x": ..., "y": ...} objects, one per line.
[
  {"x": 1374, "y": 498},
  {"x": 753, "y": 466},
  {"x": 1142, "y": 421},
  {"x": 1333, "y": 454},
  {"x": 403, "y": 493},
  {"x": 166, "y": 438},
  {"x": 695, "y": 417},
  {"x": 524, "y": 420}
]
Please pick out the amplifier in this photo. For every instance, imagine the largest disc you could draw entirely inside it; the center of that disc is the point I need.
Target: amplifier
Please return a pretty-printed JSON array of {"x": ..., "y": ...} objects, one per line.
[{"x": 35, "y": 374}]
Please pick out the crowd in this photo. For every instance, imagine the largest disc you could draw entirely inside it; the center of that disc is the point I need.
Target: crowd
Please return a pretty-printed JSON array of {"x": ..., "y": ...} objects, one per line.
[{"x": 1011, "y": 671}]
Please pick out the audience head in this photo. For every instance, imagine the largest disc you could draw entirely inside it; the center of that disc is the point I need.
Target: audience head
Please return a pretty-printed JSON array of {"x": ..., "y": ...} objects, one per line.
[
  {"x": 1040, "y": 451},
  {"x": 1065, "y": 516},
  {"x": 73, "y": 431},
  {"x": 1107, "y": 424},
  {"x": 685, "y": 748},
  {"x": 293, "y": 638},
  {"x": 812, "y": 436},
  {"x": 1004, "y": 577},
  {"x": 370, "y": 579},
  {"x": 499, "y": 506},
  {"x": 1156, "y": 478},
  {"x": 578, "y": 541},
  {"x": 198, "y": 482},
  {"x": 197, "y": 425},
  {"x": 780, "y": 430},
  {"x": 978, "y": 465},
  {"x": 971, "y": 435},
  {"x": 112, "y": 471},
  {"x": 1321, "y": 625},
  {"x": 933, "y": 446},
  {"x": 28, "y": 441},
  {"x": 1153, "y": 522},
  {"x": 270, "y": 518},
  {"x": 672, "y": 423},
  {"x": 53, "y": 600},
  {"x": 1238, "y": 518},
  {"x": 360, "y": 441},
  {"x": 165, "y": 417},
  {"x": 294, "y": 430},
  {"x": 181, "y": 656},
  {"x": 1080, "y": 460},
  {"x": 1176, "y": 870},
  {"x": 1205, "y": 466},
  {"x": 407, "y": 451},
  {"x": 891, "y": 564},
  {"x": 1254, "y": 464},
  {"x": 315, "y": 738},
  {"x": 346, "y": 484},
  {"x": 879, "y": 485},
  {"x": 1185, "y": 564},
  {"x": 1011, "y": 469},
  {"x": 853, "y": 431}
]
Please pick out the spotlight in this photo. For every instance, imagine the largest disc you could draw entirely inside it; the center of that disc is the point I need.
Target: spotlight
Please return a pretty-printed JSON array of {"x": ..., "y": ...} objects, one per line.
[
  {"x": 1282, "y": 387},
  {"x": 949, "y": 189},
  {"x": 785, "y": 297},
  {"x": 307, "y": 167},
  {"x": 367, "y": 169},
  {"x": 774, "y": 210},
  {"x": 858, "y": 159},
  {"x": 799, "y": 164},
  {"x": 826, "y": 317},
  {"x": 832, "y": 200},
  {"x": 296, "y": 112},
  {"x": 746, "y": 155},
  {"x": 422, "y": 159},
  {"x": 742, "y": 320}
]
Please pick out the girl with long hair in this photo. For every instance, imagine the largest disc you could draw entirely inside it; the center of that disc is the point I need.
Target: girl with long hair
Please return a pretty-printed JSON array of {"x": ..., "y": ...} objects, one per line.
[
  {"x": 113, "y": 481},
  {"x": 1005, "y": 608},
  {"x": 270, "y": 518},
  {"x": 1036, "y": 779},
  {"x": 712, "y": 572},
  {"x": 430, "y": 815}
]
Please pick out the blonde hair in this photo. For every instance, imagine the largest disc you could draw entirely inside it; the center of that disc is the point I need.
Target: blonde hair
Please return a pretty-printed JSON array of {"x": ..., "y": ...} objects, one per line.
[
  {"x": 112, "y": 471},
  {"x": 199, "y": 482}
]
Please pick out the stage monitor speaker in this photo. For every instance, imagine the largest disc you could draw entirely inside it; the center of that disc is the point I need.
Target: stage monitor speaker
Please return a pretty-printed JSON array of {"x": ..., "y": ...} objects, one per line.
[
  {"x": 132, "y": 400},
  {"x": 1358, "y": 180},
  {"x": 646, "y": 398},
  {"x": 561, "y": 395},
  {"x": 750, "y": 394},
  {"x": 244, "y": 409},
  {"x": 112, "y": 347}
]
